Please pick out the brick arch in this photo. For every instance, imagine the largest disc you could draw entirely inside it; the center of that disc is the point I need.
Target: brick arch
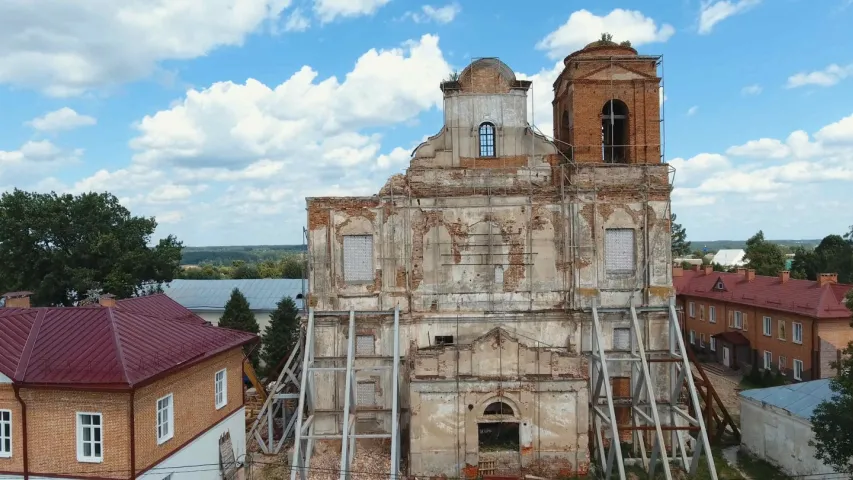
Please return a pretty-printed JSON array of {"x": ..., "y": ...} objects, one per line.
[{"x": 495, "y": 399}]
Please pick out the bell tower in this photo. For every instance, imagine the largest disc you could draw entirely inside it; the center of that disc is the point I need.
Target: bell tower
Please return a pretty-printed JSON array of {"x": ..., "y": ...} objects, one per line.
[{"x": 607, "y": 105}]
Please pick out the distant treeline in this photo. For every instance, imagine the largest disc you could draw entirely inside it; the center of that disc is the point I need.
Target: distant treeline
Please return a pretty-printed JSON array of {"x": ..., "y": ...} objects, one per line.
[
  {"x": 788, "y": 246},
  {"x": 227, "y": 255}
]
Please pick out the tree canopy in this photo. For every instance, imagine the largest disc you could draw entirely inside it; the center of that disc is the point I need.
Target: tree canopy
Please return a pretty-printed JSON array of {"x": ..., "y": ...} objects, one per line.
[
  {"x": 832, "y": 420},
  {"x": 763, "y": 256},
  {"x": 834, "y": 254},
  {"x": 680, "y": 245},
  {"x": 238, "y": 315},
  {"x": 61, "y": 246},
  {"x": 281, "y": 334}
]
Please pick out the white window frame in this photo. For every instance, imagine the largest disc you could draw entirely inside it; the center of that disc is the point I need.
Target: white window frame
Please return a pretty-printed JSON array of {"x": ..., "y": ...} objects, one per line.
[
  {"x": 220, "y": 388},
  {"x": 712, "y": 314},
  {"x": 701, "y": 340},
  {"x": 768, "y": 326},
  {"x": 692, "y": 309},
  {"x": 798, "y": 369},
  {"x": 6, "y": 426},
  {"x": 167, "y": 413},
  {"x": 713, "y": 343},
  {"x": 768, "y": 359},
  {"x": 738, "y": 320},
  {"x": 794, "y": 327},
  {"x": 81, "y": 457},
  {"x": 692, "y": 337}
]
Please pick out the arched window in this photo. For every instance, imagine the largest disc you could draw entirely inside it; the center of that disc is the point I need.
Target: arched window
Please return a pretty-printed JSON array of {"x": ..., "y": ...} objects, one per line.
[
  {"x": 487, "y": 140},
  {"x": 498, "y": 408},
  {"x": 614, "y": 132},
  {"x": 565, "y": 128}
]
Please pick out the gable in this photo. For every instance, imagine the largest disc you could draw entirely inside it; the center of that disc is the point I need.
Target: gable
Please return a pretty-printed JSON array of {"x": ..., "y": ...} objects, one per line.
[{"x": 614, "y": 72}]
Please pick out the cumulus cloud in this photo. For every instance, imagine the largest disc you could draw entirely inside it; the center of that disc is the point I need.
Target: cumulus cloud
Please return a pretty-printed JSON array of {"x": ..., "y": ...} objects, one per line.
[
  {"x": 584, "y": 27},
  {"x": 754, "y": 89},
  {"x": 713, "y": 13},
  {"x": 62, "y": 119},
  {"x": 540, "y": 111},
  {"x": 329, "y": 10},
  {"x": 441, "y": 15},
  {"x": 296, "y": 21},
  {"x": 827, "y": 77},
  {"x": 67, "y": 48}
]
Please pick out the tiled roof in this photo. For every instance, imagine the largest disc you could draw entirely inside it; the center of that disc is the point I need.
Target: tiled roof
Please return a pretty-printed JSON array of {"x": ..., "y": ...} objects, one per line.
[
  {"x": 262, "y": 294},
  {"x": 798, "y": 399},
  {"x": 106, "y": 347},
  {"x": 802, "y": 297}
]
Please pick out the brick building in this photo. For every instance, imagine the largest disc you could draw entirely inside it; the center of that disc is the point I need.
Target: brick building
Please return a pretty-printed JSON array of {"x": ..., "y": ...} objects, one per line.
[
  {"x": 741, "y": 319},
  {"x": 505, "y": 267},
  {"x": 140, "y": 388}
]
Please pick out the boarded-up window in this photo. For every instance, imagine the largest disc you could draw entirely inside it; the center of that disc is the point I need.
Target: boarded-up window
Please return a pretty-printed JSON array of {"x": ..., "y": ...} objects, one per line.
[
  {"x": 619, "y": 250},
  {"x": 364, "y": 345},
  {"x": 358, "y": 258},
  {"x": 621, "y": 339},
  {"x": 365, "y": 393}
]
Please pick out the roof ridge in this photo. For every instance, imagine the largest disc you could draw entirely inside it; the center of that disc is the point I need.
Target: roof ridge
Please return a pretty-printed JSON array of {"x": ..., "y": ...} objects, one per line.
[
  {"x": 24, "y": 362},
  {"x": 117, "y": 343}
]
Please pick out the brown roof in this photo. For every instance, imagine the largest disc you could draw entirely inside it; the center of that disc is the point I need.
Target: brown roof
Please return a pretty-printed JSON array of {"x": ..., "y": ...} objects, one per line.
[
  {"x": 801, "y": 297},
  {"x": 735, "y": 338},
  {"x": 117, "y": 347}
]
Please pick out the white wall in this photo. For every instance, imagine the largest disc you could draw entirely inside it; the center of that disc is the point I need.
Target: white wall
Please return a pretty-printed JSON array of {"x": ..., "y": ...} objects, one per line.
[
  {"x": 200, "y": 459},
  {"x": 780, "y": 438},
  {"x": 4, "y": 379}
]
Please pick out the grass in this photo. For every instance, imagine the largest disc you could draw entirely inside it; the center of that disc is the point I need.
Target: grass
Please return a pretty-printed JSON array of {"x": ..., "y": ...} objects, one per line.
[
  {"x": 758, "y": 468},
  {"x": 724, "y": 471}
]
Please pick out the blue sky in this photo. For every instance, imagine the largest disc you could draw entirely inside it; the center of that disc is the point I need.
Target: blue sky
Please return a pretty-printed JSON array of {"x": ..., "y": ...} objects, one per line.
[{"x": 220, "y": 117}]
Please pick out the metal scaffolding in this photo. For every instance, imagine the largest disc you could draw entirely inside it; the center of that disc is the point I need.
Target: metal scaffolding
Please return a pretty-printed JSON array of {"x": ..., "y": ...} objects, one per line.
[
  {"x": 307, "y": 413},
  {"x": 647, "y": 409}
]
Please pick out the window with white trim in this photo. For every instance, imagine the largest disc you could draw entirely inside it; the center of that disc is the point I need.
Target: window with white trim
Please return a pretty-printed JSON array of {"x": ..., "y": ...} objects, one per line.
[
  {"x": 798, "y": 369},
  {"x": 712, "y": 314},
  {"x": 619, "y": 250},
  {"x": 738, "y": 319},
  {"x": 165, "y": 419},
  {"x": 768, "y": 360},
  {"x": 798, "y": 332},
  {"x": 701, "y": 313},
  {"x": 691, "y": 308},
  {"x": 90, "y": 441},
  {"x": 692, "y": 337},
  {"x": 358, "y": 258},
  {"x": 713, "y": 344},
  {"x": 220, "y": 388},
  {"x": 5, "y": 433},
  {"x": 782, "y": 362},
  {"x": 782, "y": 334},
  {"x": 365, "y": 345},
  {"x": 701, "y": 340},
  {"x": 768, "y": 326}
]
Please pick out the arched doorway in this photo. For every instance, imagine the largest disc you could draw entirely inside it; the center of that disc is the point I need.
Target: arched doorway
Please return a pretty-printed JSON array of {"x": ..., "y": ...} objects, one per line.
[{"x": 614, "y": 132}]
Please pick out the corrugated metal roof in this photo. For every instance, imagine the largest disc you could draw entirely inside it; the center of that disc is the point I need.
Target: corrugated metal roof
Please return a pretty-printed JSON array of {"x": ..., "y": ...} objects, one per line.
[
  {"x": 116, "y": 346},
  {"x": 730, "y": 257},
  {"x": 262, "y": 294},
  {"x": 799, "y": 399}
]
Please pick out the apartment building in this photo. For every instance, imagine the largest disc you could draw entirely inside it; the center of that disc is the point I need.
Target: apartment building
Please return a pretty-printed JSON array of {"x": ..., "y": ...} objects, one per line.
[
  {"x": 140, "y": 388},
  {"x": 798, "y": 327}
]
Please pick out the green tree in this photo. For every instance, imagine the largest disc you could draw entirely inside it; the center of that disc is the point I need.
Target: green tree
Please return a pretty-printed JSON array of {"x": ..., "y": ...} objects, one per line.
[
  {"x": 832, "y": 420},
  {"x": 243, "y": 270},
  {"x": 61, "y": 246},
  {"x": 281, "y": 335},
  {"x": 680, "y": 245},
  {"x": 763, "y": 256},
  {"x": 238, "y": 316}
]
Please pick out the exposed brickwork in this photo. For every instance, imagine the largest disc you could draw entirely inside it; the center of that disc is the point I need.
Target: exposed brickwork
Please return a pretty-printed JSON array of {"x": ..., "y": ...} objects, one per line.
[
  {"x": 52, "y": 432},
  {"x": 517, "y": 161},
  {"x": 319, "y": 208},
  {"x": 483, "y": 80},
  {"x": 194, "y": 405},
  {"x": 9, "y": 402}
]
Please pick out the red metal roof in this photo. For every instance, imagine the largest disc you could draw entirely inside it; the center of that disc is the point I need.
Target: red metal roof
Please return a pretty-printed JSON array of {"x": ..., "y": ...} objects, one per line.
[
  {"x": 114, "y": 347},
  {"x": 801, "y": 297}
]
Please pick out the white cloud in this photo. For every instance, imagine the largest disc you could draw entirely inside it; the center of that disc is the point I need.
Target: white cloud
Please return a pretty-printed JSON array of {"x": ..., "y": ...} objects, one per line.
[
  {"x": 761, "y": 148},
  {"x": 692, "y": 110},
  {"x": 62, "y": 119},
  {"x": 754, "y": 89},
  {"x": 583, "y": 27},
  {"x": 329, "y": 10},
  {"x": 441, "y": 15},
  {"x": 34, "y": 160},
  {"x": 713, "y": 13},
  {"x": 698, "y": 166},
  {"x": 67, "y": 48},
  {"x": 840, "y": 132},
  {"x": 296, "y": 21},
  {"x": 827, "y": 77},
  {"x": 540, "y": 110}
]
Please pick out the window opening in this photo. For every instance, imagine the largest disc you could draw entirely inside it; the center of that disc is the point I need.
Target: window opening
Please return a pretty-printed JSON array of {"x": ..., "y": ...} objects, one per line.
[
  {"x": 89, "y": 440},
  {"x": 621, "y": 339},
  {"x": 165, "y": 419},
  {"x": 614, "y": 132},
  {"x": 619, "y": 250},
  {"x": 444, "y": 339},
  {"x": 498, "y": 408},
  {"x": 358, "y": 258},
  {"x": 5, "y": 433},
  {"x": 487, "y": 140},
  {"x": 220, "y": 393},
  {"x": 365, "y": 345},
  {"x": 498, "y": 437}
]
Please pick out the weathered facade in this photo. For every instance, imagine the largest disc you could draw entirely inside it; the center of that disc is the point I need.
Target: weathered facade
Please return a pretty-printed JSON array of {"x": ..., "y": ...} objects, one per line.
[{"x": 495, "y": 245}]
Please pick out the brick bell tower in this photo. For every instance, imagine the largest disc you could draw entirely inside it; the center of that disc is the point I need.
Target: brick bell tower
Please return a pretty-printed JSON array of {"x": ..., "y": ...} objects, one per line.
[{"x": 607, "y": 105}]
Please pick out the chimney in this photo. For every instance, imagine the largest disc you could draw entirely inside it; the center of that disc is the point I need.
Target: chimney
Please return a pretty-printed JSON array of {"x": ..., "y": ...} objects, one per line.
[
  {"x": 107, "y": 300},
  {"x": 695, "y": 267},
  {"x": 750, "y": 275},
  {"x": 677, "y": 271},
  {"x": 741, "y": 271},
  {"x": 17, "y": 299},
  {"x": 784, "y": 276},
  {"x": 826, "y": 279},
  {"x": 708, "y": 269}
]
